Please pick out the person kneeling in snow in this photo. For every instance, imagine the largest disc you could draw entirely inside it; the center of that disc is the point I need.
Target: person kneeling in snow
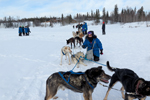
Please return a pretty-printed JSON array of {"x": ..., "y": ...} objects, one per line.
[{"x": 92, "y": 42}]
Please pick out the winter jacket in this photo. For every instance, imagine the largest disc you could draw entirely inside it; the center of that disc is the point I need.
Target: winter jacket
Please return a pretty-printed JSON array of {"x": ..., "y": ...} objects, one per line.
[
  {"x": 20, "y": 30},
  {"x": 96, "y": 48},
  {"x": 26, "y": 30},
  {"x": 84, "y": 27},
  {"x": 103, "y": 27},
  {"x": 23, "y": 29}
]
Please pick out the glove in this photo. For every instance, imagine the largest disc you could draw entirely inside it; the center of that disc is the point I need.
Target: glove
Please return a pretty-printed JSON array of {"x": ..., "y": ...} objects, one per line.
[
  {"x": 83, "y": 46},
  {"x": 101, "y": 52}
]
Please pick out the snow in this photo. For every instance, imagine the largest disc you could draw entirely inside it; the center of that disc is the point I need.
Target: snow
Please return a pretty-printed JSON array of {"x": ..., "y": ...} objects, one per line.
[{"x": 26, "y": 62}]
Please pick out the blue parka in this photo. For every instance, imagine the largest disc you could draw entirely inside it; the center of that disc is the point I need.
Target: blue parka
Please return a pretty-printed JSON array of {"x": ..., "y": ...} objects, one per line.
[
  {"x": 26, "y": 30},
  {"x": 20, "y": 30},
  {"x": 84, "y": 27},
  {"x": 96, "y": 48},
  {"x": 23, "y": 29}
]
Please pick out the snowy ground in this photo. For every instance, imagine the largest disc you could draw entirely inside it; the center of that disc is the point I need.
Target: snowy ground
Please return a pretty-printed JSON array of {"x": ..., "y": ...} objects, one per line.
[{"x": 26, "y": 62}]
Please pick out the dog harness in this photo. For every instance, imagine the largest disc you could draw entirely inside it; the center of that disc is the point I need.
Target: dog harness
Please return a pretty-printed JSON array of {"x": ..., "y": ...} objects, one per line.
[
  {"x": 63, "y": 52},
  {"x": 76, "y": 58},
  {"x": 71, "y": 72}
]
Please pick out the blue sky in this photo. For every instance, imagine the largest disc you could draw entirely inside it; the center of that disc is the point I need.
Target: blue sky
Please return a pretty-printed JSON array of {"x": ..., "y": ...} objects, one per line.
[{"x": 40, "y": 8}]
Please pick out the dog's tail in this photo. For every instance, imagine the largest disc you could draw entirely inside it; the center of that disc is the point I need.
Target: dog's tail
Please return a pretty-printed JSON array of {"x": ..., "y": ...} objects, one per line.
[{"x": 109, "y": 67}]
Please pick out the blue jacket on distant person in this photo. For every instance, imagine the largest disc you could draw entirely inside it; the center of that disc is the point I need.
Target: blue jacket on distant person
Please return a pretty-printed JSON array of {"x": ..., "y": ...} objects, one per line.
[
  {"x": 26, "y": 30},
  {"x": 84, "y": 27},
  {"x": 97, "y": 46},
  {"x": 20, "y": 30},
  {"x": 23, "y": 29}
]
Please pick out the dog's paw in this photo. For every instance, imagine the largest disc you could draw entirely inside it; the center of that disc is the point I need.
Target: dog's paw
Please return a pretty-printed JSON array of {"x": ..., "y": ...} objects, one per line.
[
  {"x": 55, "y": 97},
  {"x": 69, "y": 64},
  {"x": 77, "y": 66},
  {"x": 104, "y": 99},
  {"x": 85, "y": 65},
  {"x": 60, "y": 64}
]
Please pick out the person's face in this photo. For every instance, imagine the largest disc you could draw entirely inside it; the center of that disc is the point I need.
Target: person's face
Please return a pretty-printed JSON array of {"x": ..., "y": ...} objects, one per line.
[{"x": 89, "y": 35}]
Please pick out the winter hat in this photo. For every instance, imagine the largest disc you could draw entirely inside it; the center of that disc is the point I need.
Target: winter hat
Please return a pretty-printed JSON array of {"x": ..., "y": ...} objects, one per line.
[
  {"x": 91, "y": 32},
  {"x": 103, "y": 22}
]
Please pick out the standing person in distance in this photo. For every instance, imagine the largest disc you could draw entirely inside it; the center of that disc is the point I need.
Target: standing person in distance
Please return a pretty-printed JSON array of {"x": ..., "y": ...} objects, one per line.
[
  {"x": 84, "y": 28},
  {"x": 103, "y": 28},
  {"x": 20, "y": 31},
  {"x": 23, "y": 30},
  {"x": 28, "y": 30}
]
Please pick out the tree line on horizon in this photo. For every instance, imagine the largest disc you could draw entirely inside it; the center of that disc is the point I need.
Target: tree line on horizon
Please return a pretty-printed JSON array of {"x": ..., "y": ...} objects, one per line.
[{"x": 125, "y": 16}]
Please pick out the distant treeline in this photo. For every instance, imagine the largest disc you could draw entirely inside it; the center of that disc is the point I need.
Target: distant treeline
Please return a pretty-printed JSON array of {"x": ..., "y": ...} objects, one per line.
[{"x": 125, "y": 16}]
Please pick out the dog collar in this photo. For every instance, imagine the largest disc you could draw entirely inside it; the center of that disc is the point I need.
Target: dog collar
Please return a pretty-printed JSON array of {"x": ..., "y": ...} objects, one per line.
[
  {"x": 137, "y": 86},
  {"x": 76, "y": 58}
]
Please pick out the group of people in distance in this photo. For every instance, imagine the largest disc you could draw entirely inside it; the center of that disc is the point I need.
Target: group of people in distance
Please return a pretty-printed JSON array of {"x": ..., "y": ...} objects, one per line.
[
  {"x": 24, "y": 30},
  {"x": 84, "y": 28}
]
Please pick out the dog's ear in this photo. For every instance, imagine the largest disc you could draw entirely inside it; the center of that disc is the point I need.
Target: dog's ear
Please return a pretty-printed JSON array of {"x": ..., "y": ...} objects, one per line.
[
  {"x": 100, "y": 67},
  {"x": 89, "y": 73},
  {"x": 65, "y": 47},
  {"x": 93, "y": 72}
]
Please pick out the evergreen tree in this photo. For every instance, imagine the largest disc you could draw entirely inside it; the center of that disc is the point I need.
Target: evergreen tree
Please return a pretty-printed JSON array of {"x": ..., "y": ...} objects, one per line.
[
  {"x": 104, "y": 15},
  {"x": 97, "y": 16},
  {"x": 87, "y": 16},
  {"x": 92, "y": 15},
  {"x": 107, "y": 17},
  {"x": 141, "y": 14},
  {"x": 62, "y": 19},
  {"x": 70, "y": 19},
  {"x": 116, "y": 14}
]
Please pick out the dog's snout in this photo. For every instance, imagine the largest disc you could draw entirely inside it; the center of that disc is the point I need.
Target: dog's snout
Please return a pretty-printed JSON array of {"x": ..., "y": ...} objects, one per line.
[{"x": 109, "y": 77}]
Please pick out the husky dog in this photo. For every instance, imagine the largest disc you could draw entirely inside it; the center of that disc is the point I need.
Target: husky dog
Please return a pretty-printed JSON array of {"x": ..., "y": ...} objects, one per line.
[
  {"x": 81, "y": 35},
  {"x": 77, "y": 33},
  {"x": 65, "y": 51},
  {"x": 74, "y": 34},
  {"x": 78, "y": 40},
  {"x": 134, "y": 86},
  {"x": 71, "y": 40},
  {"x": 82, "y": 83},
  {"x": 78, "y": 57}
]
